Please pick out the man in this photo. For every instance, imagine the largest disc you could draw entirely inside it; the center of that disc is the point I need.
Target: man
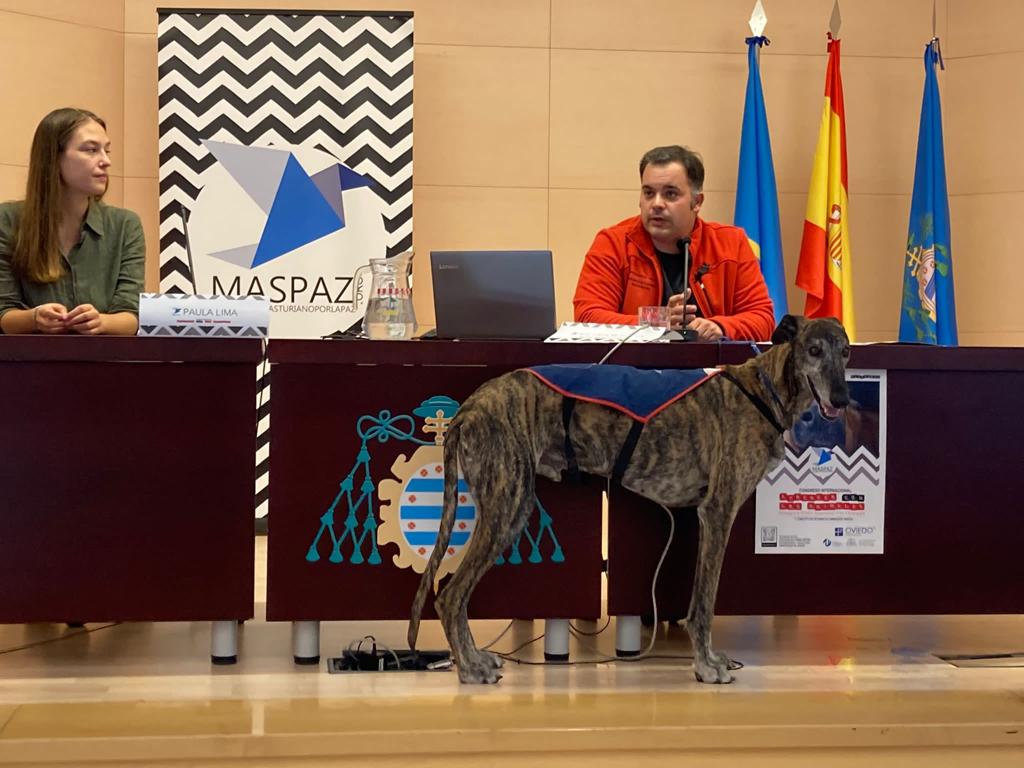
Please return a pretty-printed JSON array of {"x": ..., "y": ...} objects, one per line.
[{"x": 638, "y": 261}]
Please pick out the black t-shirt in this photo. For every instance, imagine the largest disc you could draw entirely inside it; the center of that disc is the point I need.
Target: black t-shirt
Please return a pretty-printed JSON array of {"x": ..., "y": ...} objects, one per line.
[{"x": 672, "y": 276}]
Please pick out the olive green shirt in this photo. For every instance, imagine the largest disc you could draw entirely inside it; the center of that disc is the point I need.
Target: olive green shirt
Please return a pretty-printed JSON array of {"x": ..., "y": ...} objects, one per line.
[{"x": 105, "y": 268}]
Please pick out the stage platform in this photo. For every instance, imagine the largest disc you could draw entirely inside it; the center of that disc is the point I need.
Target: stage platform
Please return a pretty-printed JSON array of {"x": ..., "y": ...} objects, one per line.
[{"x": 815, "y": 691}]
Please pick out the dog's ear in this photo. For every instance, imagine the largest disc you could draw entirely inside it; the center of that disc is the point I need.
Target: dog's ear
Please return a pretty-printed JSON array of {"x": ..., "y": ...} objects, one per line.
[{"x": 789, "y": 327}]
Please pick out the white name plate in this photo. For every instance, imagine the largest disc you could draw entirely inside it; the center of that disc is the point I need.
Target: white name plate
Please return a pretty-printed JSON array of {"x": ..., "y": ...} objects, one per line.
[{"x": 175, "y": 314}]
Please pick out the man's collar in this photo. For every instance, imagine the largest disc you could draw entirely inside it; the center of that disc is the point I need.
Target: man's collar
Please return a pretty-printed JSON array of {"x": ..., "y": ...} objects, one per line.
[
  {"x": 94, "y": 217},
  {"x": 695, "y": 235}
]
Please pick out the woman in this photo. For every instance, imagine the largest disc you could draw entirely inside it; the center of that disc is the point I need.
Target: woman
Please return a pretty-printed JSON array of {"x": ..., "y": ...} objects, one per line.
[{"x": 69, "y": 263}]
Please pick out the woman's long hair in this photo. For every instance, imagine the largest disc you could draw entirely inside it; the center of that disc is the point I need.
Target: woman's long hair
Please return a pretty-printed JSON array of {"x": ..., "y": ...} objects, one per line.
[{"x": 36, "y": 254}]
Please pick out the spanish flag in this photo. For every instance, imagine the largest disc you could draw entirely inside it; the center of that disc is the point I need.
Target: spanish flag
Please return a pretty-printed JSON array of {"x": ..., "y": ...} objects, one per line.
[{"x": 825, "y": 268}]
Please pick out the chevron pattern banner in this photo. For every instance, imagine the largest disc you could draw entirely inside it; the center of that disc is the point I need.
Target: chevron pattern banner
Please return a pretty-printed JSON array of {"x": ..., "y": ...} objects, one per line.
[
  {"x": 827, "y": 494},
  {"x": 286, "y": 144}
]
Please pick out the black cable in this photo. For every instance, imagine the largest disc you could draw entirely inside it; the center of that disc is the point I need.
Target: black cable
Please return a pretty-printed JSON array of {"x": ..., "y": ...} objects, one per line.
[
  {"x": 508, "y": 654},
  {"x": 580, "y": 632}
]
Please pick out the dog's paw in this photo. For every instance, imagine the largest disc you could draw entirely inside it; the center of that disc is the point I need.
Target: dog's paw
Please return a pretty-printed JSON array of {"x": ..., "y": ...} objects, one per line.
[
  {"x": 720, "y": 659},
  {"x": 713, "y": 673},
  {"x": 479, "y": 674},
  {"x": 493, "y": 660}
]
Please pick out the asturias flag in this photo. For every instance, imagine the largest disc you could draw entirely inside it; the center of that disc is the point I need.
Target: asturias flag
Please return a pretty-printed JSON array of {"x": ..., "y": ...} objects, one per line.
[
  {"x": 757, "y": 201},
  {"x": 824, "y": 270},
  {"x": 929, "y": 311}
]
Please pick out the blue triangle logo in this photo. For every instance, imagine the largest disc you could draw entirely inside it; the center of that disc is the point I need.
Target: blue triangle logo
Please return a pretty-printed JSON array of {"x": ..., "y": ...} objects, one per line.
[{"x": 299, "y": 215}]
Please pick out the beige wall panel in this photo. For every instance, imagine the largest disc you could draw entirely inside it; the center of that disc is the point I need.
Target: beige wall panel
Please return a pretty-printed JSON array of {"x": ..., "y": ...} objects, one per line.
[
  {"x": 115, "y": 192},
  {"x": 986, "y": 262},
  {"x": 719, "y": 204},
  {"x": 598, "y": 133},
  {"x": 609, "y": 107},
  {"x": 445, "y": 22},
  {"x": 472, "y": 218},
  {"x": 982, "y": 118},
  {"x": 82, "y": 67},
  {"x": 12, "y": 182},
  {"x": 577, "y": 215},
  {"x": 481, "y": 116},
  {"x": 141, "y": 150},
  {"x": 991, "y": 339},
  {"x": 794, "y": 94},
  {"x": 143, "y": 197},
  {"x": 480, "y": 22},
  {"x": 105, "y": 14},
  {"x": 792, "y": 209},
  {"x": 878, "y": 239},
  {"x": 983, "y": 26},
  {"x": 794, "y": 26},
  {"x": 883, "y": 113}
]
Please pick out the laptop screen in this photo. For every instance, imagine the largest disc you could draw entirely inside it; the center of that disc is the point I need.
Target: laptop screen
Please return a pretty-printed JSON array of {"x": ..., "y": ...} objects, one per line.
[{"x": 493, "y": 294}]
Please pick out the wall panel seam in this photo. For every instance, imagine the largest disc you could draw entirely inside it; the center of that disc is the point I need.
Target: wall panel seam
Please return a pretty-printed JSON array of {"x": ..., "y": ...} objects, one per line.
[{"x": 75, "y": 24}]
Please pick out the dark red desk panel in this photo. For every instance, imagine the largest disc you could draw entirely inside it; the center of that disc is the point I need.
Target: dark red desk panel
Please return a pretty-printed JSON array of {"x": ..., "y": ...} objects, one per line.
[
  {"x": 320, "y": 392},
  {"x": 127, "y": 478},
  {"x": 954, "y": 488}
]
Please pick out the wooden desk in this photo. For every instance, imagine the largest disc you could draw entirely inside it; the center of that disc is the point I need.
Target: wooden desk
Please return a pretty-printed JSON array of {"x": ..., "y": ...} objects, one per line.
[
  {"x": 127, "y": 477},
  {"x": 953, "y": 480}
]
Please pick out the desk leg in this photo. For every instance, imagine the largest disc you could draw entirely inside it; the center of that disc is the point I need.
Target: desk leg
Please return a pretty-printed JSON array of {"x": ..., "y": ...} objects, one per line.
[
  {"x": 306, "y": 642},
  {"x": 556, "y": 639},
  {"x": 627, "y": 635},
  {"x": 224, "y": 642}
]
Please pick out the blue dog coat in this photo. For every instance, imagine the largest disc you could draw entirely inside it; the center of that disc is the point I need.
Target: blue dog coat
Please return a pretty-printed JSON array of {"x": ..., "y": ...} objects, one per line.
[{"x": 640, "y": 393}]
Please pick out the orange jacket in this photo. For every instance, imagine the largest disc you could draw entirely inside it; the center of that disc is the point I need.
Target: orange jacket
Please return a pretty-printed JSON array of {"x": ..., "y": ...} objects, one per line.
[{"x": 621, "y": 273}]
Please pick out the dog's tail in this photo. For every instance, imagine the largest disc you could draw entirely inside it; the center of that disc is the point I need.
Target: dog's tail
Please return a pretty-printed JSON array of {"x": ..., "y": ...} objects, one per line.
[{"x": 444, "y": 533}]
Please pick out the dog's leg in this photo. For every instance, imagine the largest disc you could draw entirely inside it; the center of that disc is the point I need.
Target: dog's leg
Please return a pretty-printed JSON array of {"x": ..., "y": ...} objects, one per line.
[
  {"x": 452, "y": 606},
  {"x": 503, "y": 508},
  {"x": 716, "y": 516}
]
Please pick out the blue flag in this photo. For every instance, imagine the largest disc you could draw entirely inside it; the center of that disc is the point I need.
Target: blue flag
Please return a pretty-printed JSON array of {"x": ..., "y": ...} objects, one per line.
[
  {"x": 757, "y": 202},
  {"x": 928, "y": 315}
]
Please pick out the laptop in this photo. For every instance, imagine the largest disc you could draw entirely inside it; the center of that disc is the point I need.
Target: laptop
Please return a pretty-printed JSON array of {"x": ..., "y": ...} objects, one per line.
[{"x": 493, "y": 294}]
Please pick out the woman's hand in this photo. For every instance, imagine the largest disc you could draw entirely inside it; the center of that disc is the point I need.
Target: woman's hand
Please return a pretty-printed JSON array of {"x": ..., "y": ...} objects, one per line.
[
  {"x": 84, "y": 319},
  {"x": 50, "y": 318}
]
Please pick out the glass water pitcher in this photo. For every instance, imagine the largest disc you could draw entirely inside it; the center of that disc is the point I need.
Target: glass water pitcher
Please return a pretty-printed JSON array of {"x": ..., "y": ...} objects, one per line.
[{"x": 389, "y": 310}]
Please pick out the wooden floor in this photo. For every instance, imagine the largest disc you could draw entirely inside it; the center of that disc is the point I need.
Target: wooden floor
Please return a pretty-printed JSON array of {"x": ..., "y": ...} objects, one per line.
[{"x": 844, "y": 691}]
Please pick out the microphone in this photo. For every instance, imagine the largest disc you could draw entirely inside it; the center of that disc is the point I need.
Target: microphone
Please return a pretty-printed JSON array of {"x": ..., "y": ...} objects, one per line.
[{"x": 683, "y": 244}]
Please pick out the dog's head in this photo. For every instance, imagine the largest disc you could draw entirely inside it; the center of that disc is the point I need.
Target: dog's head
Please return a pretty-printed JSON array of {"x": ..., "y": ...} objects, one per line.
[{"x": 819, "y": 350}]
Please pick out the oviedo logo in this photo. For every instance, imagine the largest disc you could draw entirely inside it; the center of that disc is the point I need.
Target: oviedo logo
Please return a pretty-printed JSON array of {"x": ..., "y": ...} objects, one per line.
[{"x": 292, "y": 224}]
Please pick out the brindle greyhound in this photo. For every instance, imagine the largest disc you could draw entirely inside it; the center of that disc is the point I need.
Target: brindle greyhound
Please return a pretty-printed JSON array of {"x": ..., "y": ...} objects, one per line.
[{"x": 708, "y": 449}]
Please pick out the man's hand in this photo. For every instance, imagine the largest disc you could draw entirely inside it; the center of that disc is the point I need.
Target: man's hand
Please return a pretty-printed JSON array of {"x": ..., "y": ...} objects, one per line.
[
  {"x": 84, "y": 319},
  {"x": 50, "y": 318},
  {"x": 707, "y": 330},
  {"x": 680, "y": 314}
]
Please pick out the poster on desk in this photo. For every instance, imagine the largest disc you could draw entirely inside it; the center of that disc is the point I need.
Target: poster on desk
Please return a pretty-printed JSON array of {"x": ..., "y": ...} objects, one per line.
[
  {"x": 286, "y": 143},
  {"x": 827, "y": 495}
]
